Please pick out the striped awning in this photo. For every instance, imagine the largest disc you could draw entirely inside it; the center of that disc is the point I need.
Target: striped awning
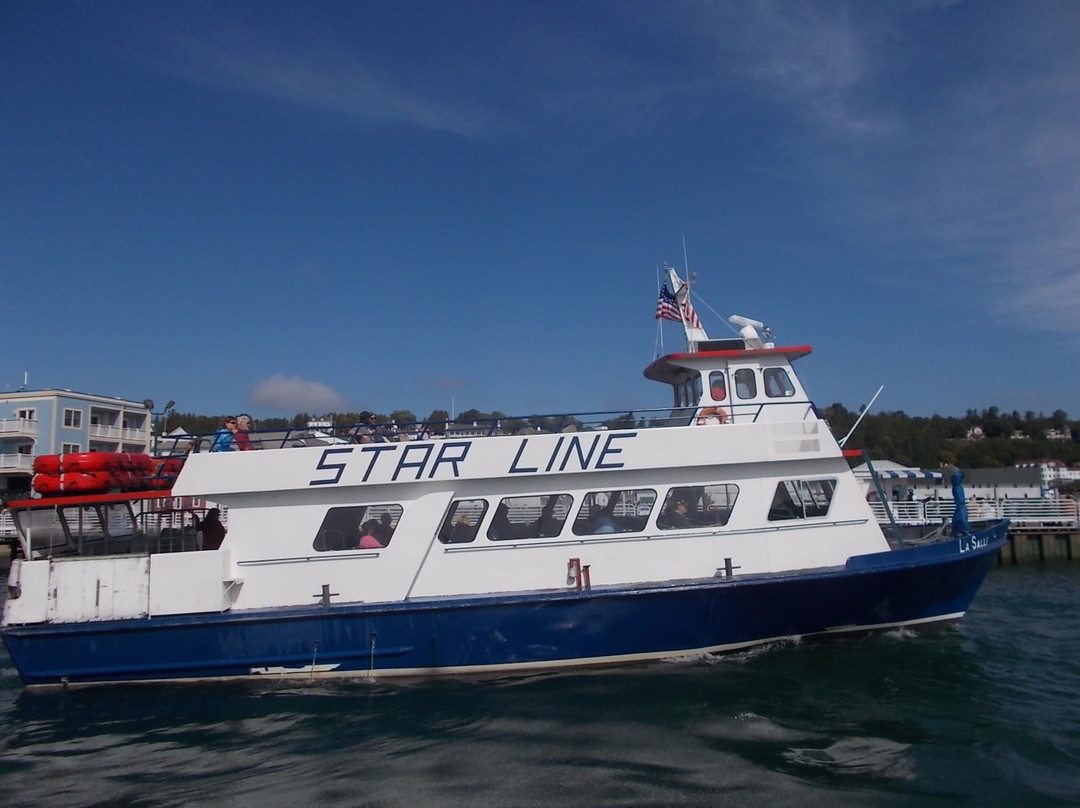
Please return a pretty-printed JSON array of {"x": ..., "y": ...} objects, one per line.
[{"x": 908, "y": 474}]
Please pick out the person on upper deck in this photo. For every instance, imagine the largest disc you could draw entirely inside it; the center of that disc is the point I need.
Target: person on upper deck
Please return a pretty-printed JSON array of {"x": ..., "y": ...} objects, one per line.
[
  {"x": 367, "y": 431},
  {"x": 225, "y": 437},
  {"x": 243, "y": 426}
]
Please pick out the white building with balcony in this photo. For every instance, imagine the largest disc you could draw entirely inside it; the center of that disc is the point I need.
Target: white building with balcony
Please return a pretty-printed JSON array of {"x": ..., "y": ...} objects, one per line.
[{"x": 38, "y": 422}]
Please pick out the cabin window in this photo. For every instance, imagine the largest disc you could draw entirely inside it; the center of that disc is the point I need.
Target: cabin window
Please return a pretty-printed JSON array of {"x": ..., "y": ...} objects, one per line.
[
  {"x": 696, "y": 381},
  {"x": 698, "y": 506},
  {"x": 745, "y": 383},
  {"x": 614, "y": 512},
  {"x": 357, "y": 527},
  {"x": 73, "y": 418},
  {"x": 682, "y": 394},
  {"x": 537, "y": 517},
  {"x": 462, "y": 521},
  {"x": 801, "y": 499},
  {"x": 717, "y": 385},
  {"x": 777, "y": 383}
]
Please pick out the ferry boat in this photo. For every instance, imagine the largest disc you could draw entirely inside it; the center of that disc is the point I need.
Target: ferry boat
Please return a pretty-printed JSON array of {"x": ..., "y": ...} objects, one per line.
[{"x": 727, "y": 519}]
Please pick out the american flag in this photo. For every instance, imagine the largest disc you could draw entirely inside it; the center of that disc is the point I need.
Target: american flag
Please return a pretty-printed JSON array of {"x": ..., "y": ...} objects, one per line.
[
  {"x": 689, "y": 316},
  {"x": 667, "y": 308}
]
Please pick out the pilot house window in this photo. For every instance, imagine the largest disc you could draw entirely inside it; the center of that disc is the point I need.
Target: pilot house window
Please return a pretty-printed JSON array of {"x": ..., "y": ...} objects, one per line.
[
  {"x": 745, "y": 383},
  {"x": 777, "y": 383}
]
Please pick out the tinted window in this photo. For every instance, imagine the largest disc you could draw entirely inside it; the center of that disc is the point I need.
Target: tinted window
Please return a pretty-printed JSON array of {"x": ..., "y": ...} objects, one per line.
[
  {"x": 614, "y": 512},
  {"x": 698, "y": 506},
  {"x": 745, "y": 383},
  {"x": 462, "y": 521},
  {"x": 536, "y": 517},
  {"x": 357, "y": 527},
  {"x": 800, "y": 499},
  {"x": 777, "y": 383},
  {"x": 718, "y": 385}
]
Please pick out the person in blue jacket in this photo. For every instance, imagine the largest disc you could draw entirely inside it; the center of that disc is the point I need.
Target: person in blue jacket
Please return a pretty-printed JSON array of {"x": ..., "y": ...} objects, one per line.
[{"x": 223, "y": 438}]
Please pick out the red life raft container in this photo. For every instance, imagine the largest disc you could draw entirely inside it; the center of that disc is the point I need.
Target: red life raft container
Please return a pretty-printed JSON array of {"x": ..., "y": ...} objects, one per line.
[
  {"x": 76, "y": 482},
  {"x": 95, "y": 461}
]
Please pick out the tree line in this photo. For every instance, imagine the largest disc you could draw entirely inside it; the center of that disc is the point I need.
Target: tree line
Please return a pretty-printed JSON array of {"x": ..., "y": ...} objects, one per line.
[{"x": 980, "y": 439}]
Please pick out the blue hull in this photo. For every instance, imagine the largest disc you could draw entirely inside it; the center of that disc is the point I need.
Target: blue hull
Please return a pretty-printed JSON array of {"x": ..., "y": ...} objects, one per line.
[{"x": 520, "y": 632}]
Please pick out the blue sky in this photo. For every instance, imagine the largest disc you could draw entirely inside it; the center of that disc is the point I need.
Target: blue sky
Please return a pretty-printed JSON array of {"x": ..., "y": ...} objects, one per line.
[{"x": 285, "y": 207}]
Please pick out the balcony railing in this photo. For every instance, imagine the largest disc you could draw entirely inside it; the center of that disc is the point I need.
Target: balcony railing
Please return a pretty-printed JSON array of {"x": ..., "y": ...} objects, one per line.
[
  {"x": 16, "y": 462},
  {"x": 118, "y": 433},
  {"x": 18, "y": 426}
]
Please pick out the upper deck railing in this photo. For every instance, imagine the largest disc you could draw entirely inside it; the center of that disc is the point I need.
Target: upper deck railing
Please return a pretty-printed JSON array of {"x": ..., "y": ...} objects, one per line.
[{"x": 648, "y": 418}]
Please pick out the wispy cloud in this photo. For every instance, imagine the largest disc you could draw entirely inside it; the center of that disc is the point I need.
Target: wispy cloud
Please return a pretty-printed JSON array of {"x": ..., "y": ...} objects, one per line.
[
  {"x": 315, "y": 71},
  {"x": 981, "y": 165},
  {"x": 293, "y": 394}
]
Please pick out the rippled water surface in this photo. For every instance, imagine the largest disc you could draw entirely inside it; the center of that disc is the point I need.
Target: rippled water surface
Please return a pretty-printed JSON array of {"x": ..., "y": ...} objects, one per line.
[{"x": 986, "y": 713}]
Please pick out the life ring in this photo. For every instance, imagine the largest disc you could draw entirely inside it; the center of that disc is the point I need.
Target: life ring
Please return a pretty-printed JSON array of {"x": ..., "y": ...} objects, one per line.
[{"x": 718, "y": 413}]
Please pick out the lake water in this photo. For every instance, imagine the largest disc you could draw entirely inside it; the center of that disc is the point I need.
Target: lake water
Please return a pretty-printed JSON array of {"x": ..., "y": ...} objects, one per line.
[{"x": 986, "y": 713}]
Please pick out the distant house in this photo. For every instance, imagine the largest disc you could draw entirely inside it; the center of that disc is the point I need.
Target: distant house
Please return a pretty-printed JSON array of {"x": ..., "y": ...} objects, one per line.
[
  {"x": 1031, "y": 480},
  {"x": 901, "y": 482},
  {"x": 39, "y": 422}
]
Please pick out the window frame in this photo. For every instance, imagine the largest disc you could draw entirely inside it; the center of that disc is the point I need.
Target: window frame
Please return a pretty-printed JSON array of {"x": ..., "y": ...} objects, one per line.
[
  {"x": 525, "y": 530},
  {"x": 779, "y": 376},
  {"x": 581, "y": 523},
  {"x": 449, "y": 532},
  {"x": 740, "y": 384},
  {"x": 697, "y": 516},
  {"x": 809, "y": 494},
  {"x": 353, "y": 518}
]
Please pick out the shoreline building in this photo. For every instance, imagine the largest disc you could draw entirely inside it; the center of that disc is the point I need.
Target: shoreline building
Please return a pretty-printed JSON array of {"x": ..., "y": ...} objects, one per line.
[{"x": 40, "y": 422}]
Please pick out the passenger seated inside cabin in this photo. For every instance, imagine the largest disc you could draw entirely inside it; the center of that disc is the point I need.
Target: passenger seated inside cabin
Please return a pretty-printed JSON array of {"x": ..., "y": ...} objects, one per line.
[
  {"x": 548, "y": 524},
  {"x": 463, "y": 531},
  {"x": 600, "y": 521},
  {"x": 500, "y": 527},
  {"x": 676, "y": 515},
  {"x": 213, "y": 532},
  {"x": 384, "y": 530},
  {"x": 368, "y": 538}
]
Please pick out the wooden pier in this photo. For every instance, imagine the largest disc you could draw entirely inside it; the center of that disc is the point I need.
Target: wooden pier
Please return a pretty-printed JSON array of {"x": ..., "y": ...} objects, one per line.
[{"x": 1034, "y": 544}]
